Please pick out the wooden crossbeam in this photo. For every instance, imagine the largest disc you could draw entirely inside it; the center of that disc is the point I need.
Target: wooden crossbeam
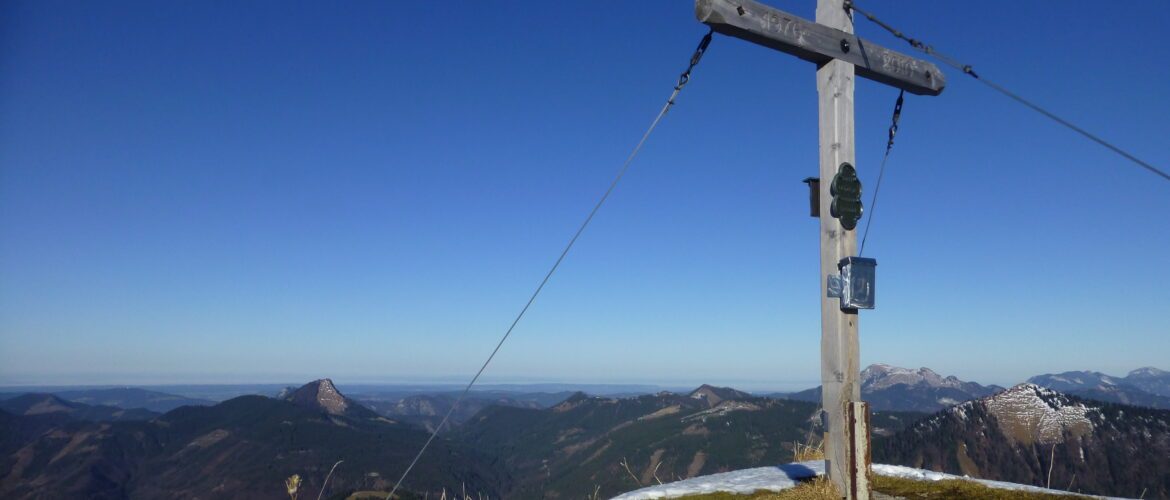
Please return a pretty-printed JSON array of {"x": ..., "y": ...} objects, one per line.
[{"x": 817, "y": 43}]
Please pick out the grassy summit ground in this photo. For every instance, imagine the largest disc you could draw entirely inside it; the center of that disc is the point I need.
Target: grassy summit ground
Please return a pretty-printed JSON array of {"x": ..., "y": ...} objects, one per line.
[{"x": 820, "y": 489}]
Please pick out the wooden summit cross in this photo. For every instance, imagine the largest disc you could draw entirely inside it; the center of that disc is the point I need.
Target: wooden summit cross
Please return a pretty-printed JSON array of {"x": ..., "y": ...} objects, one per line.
[{"x": 838, "y": 54}]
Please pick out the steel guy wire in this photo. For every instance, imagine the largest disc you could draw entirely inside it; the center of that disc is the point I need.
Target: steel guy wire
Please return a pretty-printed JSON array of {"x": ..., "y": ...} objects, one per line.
[
  {"x": 966, "y": 68},
  {"x": 683, "y": 79},
  {"x": 882, "y": 170}
]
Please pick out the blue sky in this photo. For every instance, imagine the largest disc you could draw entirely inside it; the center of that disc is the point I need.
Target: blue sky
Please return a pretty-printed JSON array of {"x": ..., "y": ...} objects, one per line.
[{"x": 277, "y": 191}]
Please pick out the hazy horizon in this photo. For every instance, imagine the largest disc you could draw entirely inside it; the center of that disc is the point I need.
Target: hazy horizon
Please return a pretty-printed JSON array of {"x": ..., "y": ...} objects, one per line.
[
  {"x": 459, "y": 382},
  {"x": 422, "y": 382}
]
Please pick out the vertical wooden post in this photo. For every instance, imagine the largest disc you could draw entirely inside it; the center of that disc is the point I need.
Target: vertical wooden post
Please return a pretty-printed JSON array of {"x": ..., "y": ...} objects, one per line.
[
  {"x": 840, "y": 56},
  {"x": 840, "y": 368}
]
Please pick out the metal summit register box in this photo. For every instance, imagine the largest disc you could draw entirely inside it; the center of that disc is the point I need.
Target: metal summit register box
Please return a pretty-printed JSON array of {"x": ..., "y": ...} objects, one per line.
[{"x": 855, "y": 285}]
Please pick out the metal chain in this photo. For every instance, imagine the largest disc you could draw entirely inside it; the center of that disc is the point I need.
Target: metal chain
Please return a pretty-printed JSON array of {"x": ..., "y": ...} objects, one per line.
[
  {"x": 894, "y": 122},
  {"x": 685, "y": 77},
  {"x": 966, "y": 68},
  {"x": 882, "y": 170},
  {"x": 682, "y": 81}
]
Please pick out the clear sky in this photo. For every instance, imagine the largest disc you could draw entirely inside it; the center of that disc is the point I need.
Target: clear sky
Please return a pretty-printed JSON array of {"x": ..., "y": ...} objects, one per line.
[{"x": 222, "y": 191}]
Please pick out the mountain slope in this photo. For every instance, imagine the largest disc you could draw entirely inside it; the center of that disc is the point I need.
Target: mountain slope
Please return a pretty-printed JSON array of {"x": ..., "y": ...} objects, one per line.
[
  {"x": 1151, "y": 380},
  {"x": 242, "y": 448},
  {"x": 1017, "y": 435},
  {"x": 715, "y": 395},
  {"x": 588, "y": 442},
  {"x": 131, "y": 397},
  {"x": 581, "y": 444},
  {"x": 1124, "y": 395},
  {"x": 427, "y": 410},
  {"x": 890, "y": 388},
  {"x": 37, "y": 404}
]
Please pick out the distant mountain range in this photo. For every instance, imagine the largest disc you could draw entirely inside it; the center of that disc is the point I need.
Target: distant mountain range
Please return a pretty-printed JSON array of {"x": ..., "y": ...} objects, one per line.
[
  {"x": 246, "y": 446},
  {"x": 885, "y": 387},
  {"x": 131, "y": 397},
  {"x": 543, "y": 445},
  {"x": 122, "y": 397},
  {"x": 427, "y": 409},
  {"x": 1034, "y": 435},
  {"x": 242, "y": 448},
  {"x": 1148, "y": 387},
  {"x": 49, "y": 404},
  {"x": 580, "y": 446},
  {"x": 890, "y": 388}
]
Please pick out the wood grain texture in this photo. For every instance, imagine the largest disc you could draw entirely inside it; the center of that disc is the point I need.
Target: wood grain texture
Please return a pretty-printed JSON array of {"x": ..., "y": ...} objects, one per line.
[
  {"x": 819, "y": 43},
  {"x": 840, "y": 365}
]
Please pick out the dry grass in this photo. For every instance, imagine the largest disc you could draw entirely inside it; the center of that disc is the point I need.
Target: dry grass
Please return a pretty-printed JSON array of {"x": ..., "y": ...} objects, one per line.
[
  {"x": 956, "y": 488},
  {"x": 804, "y": 452}
]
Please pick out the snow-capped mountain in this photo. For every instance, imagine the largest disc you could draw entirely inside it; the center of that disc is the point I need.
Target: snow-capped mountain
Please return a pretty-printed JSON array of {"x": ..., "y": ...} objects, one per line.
[
  {"x": 880, "y": 376},
  {"x": 1151, "y": 380},
  {"x": 892, "y": 388},
  {"x": 1142, "y": 387},
  {"x": 1028, "y": 413},
  {"x": 1071, "y": 381},
  {"x": 1019, "y": 434}
]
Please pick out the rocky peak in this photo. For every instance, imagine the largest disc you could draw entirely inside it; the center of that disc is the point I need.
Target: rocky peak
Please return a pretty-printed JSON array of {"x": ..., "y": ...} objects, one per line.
[
  {"x": 1025, "y": 388},
  {"x": 320, "y": 394}
]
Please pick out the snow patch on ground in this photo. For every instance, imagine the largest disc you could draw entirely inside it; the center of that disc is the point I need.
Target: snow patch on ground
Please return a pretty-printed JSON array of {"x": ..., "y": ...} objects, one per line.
[
  {"x": 787, "y": 476},
  {"x": 741, "y": 481}
]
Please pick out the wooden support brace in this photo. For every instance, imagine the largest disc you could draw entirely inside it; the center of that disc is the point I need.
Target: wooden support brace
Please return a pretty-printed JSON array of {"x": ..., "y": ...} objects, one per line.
[{"x": 860, "y": 459}]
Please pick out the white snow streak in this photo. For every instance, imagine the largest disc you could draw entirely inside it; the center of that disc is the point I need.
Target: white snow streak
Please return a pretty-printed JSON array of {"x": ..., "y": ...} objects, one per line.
[
  {"x": 740, "y": 481},
  {"x": 786, "y": 476},
  {"x": 1040, "y": 412}
]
